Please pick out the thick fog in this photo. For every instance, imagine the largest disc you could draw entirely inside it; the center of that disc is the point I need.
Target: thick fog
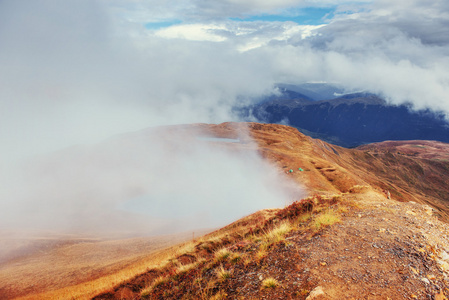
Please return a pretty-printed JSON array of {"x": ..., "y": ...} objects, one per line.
[
  {"x": 75, "y": 73},
  {"x": 149, "y": 182}
]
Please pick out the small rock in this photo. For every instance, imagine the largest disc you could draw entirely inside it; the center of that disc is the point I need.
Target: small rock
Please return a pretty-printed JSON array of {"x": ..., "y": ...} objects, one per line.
[
  {"x": 431, "y": 277},
  {"x": 381, "y": 229},
  {"x": 444, "y": 256},
  {"x": 409, "y": 212},
  {"x": 444, "y": 266},
  {"x": 315, "y": 293},
  {"x": 422, "y": 250},
  {"x": 323, "y": 263},
  {"x": 428, "y": 209},
  {"x": 260, "y": 277},
  {"x": 414, "y": 271},
  {"x": 425, "y": 280}
]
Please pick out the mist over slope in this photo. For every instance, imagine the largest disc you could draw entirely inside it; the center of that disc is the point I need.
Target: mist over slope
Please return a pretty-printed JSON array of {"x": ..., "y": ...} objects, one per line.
[{"x": 155, "y": 181}]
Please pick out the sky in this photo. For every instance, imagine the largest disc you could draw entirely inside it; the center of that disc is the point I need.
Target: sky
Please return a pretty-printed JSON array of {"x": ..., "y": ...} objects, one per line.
[{"x": 78, "y": 72}]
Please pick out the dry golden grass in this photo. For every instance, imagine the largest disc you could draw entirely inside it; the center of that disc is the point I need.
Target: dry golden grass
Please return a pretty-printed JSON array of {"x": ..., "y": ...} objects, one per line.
[
  {"x": 302, "y": 219},
  {"x": 222, "y": 254},
  {"x": 222, "y": 273},
  {"x": 270, "y": 283},
  {"x": 220, "y": 295},
  {"x": 261, "y": 253},
  {"x": 278, "y": 233},
  {"x": 236, "y": 257},
  {"x": 326, "y": 218},
  {"x": 358, "y": 189}
]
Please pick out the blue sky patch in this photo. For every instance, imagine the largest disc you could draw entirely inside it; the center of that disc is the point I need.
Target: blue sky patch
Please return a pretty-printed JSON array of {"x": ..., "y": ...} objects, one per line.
[
  {"x": 159, "y": 25},
  {"x": 305, "y": 16}
]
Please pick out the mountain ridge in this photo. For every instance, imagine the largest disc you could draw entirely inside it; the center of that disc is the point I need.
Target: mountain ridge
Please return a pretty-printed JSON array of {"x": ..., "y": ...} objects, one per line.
[{"x": 351, "y": 120}]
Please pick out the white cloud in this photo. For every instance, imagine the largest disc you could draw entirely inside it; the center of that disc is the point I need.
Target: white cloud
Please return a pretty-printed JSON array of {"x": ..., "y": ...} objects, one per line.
[
  {"x": 150, "y": 182},
  {"x": 193, "y": 32},
  {"x": 243, "y": 35}
]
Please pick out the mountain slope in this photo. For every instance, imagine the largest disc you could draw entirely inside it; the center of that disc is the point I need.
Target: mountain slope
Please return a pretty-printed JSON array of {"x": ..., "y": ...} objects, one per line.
[{"x": 347, "y": 241}]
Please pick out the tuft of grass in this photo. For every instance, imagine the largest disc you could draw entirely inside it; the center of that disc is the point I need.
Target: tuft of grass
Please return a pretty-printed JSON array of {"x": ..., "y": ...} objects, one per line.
[
  {"x": 235, "y": 258},
  {"x": 343, "y": 209},
  {"x": 220, "y": 295},
  {"x": 270, "y": 283},
  {"x": 186, "y": 248},
  {"x": 327, "y": 218},
  {"x": 359, "y": 189},
  {"x": 278, "y": 233},
  {"x": 388, "y": 209},
  {"x": 303, "y": 218},
  {"x": 157, "y": 282},
  {"x": 222, "y": 254},
  {"x": 185, "y": 268},
  {"x": 223, "y": 274}
]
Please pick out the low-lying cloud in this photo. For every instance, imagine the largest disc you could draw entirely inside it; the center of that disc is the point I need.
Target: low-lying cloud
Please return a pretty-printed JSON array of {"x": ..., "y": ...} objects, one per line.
[{"x": 150, "y": 182}]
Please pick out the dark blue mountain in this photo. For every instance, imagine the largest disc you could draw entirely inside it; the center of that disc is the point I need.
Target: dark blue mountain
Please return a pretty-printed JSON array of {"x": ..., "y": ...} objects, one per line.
[{"x": 351, "y": 120}]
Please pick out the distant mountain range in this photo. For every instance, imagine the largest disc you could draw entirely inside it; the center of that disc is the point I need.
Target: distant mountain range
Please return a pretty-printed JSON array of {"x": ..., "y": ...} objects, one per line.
[{"x": 347, "y": 120}]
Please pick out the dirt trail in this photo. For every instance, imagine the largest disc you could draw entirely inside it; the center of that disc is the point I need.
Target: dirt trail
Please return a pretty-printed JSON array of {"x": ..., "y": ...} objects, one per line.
[{"x": 386, "y": 250}]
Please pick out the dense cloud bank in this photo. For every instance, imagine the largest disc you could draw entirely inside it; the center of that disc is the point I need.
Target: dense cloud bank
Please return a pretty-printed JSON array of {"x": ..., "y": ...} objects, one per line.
[{"x": 80, "y": 71}]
